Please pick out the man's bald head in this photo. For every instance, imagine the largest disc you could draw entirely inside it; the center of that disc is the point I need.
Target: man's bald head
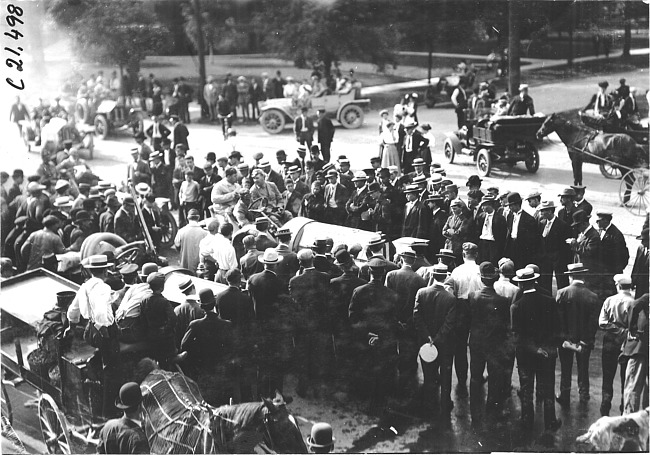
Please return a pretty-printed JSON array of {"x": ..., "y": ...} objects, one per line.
[{"x": 213, "y": 227}]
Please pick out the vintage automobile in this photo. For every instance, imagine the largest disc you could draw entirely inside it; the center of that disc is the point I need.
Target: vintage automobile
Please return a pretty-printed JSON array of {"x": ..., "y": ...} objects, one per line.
[
  {"x": 348, "y": 109},
  {"x": 49, "y": 137},
  {"x": 110, "y": 115}
]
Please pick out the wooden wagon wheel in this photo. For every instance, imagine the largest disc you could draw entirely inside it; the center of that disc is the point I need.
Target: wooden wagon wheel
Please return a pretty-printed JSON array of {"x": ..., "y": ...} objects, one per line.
[
  {"x": 7, "y": 412},
  {"x": 610, "y": 171},
  {"x": 54, "y": 427},
  {"x": 635, "y": 191}
]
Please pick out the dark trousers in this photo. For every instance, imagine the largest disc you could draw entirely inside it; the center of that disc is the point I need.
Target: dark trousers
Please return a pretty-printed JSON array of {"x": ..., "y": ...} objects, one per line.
[
  {"x": 437, "y": 376},
  {"x": 530, "y": 367},
  {"x": 255, "y": 110},
  {"x": 305, "y": 139},
  {"x": 325, "y": 148},
  {"x": 460, "y": 356},
  {"x": 610, "y": 358},
  {"x": 460, "y": 118},
  {"x": 315, "y": 357},
  {"x": 407, "y": 160},
  {"x": 335, "y": 215},
  {"x": 566, "y": 365},
  {"x": 547, "y": 269},
  {"x": 488, "y": 251},
  {"x": 112, "y": 381},
  {"x": 496, "y": 360},
  {"x": 407, "y": 362},
  {"x": 576, "y": 165}
]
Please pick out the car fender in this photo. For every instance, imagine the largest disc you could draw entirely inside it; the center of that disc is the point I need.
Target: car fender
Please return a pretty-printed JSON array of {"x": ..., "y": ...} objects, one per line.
[
  {"x": 106, "y": 106},
  {"x": 284, "y": 110},
  {"x": 455, "y": 142},
  {"x": 362, "y": 103}
]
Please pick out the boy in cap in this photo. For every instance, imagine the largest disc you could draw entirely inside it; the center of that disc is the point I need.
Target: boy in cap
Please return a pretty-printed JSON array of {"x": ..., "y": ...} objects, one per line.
[
  {"x": 578, "y": 307},
  {"x": 536, "y": 326},
  {"x": 613, "y": 321}
]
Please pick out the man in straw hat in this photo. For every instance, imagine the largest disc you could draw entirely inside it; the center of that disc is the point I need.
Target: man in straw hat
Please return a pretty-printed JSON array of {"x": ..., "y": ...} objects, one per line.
[
  {"x": 358, "y": 202},
  {"x": 535, "y": 325},
  {"x": 554, "y": 252},
  {"x": 613, "y": 321},
  {"x": 490, "y": 321},
  {"x": 94, "y": 301},
  {"x": 125, "y": 435},
  {"x": 578, "y": 307},
  {"x": 434, "y": 315},
  {"x": 265, "y": 287}
]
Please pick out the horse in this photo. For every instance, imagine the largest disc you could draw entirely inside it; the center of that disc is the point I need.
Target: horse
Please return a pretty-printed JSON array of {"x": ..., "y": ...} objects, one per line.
[
  {"x": 590, "y": 146},
  {"x": 178, "y": 420}
]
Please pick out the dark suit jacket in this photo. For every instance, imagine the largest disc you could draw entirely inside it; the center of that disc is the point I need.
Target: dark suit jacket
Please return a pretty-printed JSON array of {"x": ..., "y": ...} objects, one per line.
[
  {"x": 373, "y": 309},
  {"x": 311, "y": 291},
  {"x": 164, "y": 131},
  {"x": 434, "y": 315},
  {"x": 364, "y": 271},
  {"x": 289, "y": 265},
  {"x": 490, "y": 319},
  {"x": 206, "y": 185},
  {"x": 406, "y": 283},
  {"x": 276, "y": 178},
  {"x": 640, "y": 278},
  {"x": 341, "y": 289},
  {"x": 417, "y": 222},
  {"x": 436, "y": 239},
  {"x": 579, "y": 310},
  {"x": 566, "y": 215},
  {"x": 499, "y": 228},
  {"x": 588, "y": 250},
  {"x": 297, "y": 127},
  {"x": 341, "y": 194},
  {"x": 554, "y": 248},
  {"x": 524, "y": 249},
  {"x": 208, "y": 341},
  {"x": 536, "y": 324},
  {"x": 180, "y": 136},
  {"x": 264, "y": 289},
  {"x": 325, "y": 131},
  {"x": 249, "y": 264},
  {"x": 613, "y": 251},
  {"x": 584, "y": 205},
  {"x": 637, "y": 322},
  {"x": 235, "y": 306}
]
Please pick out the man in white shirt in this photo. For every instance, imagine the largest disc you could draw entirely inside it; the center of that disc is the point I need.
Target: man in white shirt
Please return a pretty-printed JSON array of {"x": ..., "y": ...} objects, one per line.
[
  {"x": 216, "y": 251},
  {"x": 225, "y": 193}
]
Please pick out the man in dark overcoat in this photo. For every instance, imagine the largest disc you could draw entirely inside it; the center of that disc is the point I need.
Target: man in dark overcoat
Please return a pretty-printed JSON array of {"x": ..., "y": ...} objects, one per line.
[{"x": 522, "y": 238}]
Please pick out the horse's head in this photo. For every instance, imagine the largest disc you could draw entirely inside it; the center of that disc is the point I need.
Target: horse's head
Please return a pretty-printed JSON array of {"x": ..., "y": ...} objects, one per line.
[
  {"x": 283, "y": 432},
  {"x": 547, "y": 127}
]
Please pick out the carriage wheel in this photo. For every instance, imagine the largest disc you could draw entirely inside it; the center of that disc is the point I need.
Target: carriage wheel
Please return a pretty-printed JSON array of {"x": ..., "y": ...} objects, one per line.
[
  {"x": 483, "y": 163},
  {"x": 610, "y": 171},
  {"x": 169, "y": 229},
  {"x": 7, "y": 412},
  {"x": 532, "y": 162},
  {"x": 450, "y": 152},
  {"x": 635, "y": 191},
  {"x": 54, "y": 427}
]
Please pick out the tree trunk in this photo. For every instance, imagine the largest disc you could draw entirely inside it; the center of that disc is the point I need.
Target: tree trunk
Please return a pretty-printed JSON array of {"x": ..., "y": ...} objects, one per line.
[
  {"x": 571, "y": 26},
  {"x": 430, "y": 62},
  {"x": 200, "y": 49},
  {"x": 514, "y": 63},
  {"x": 627, "y": 34}
]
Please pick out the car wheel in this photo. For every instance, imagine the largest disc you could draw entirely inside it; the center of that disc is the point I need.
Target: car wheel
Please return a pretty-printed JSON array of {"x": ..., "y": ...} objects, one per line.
[
  {"x": 272, "y": 121},
  {"x": 101, "y": 127},
  {"x": 483, "y": 163},
  {"x": 351, "y": 116},
  {"x": 450, "y": 152}
]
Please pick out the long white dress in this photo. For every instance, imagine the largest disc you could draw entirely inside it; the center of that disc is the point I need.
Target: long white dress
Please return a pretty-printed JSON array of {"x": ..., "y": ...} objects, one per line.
[{"x": 390, "y": 155}]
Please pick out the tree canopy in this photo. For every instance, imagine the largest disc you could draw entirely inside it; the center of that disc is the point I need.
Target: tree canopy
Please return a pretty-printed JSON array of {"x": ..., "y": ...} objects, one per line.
[
  {"x": 117, "y": 32},
  {"x": 321, "y": 33}
]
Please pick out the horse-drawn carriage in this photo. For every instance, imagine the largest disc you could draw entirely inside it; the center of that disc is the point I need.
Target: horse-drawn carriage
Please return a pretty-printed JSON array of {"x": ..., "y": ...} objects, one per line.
[
  {"x": 69, "y": 378},
  {"x": 507, "y": 139},
  {"x": 347, "y": 108},
  {"x": 618, "y": 155}
]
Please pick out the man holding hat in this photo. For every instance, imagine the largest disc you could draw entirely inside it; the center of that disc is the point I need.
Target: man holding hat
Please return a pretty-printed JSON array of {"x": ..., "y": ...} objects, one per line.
[
  {"x": 490, "y": 321},
  {"x": 373, "y": 316},
  {"x": 321, "y": 439},
  {"x": 491, "y": 229},
  {"x": 522, "y": 238},
  {"x": 42, "y": 243},
  {"x": 536, "y": 326},
  {"x": 614, "y": 254},
  {"x": 434, "y": 316},
  {"x": 406, "y": 283},
  {"x": 125, "y": 435},
  {"x": 578, "y": 307},
  {"x": 613, "y": 321},
  {"x": 554, "y": 252},
  {"x": 522, "y": 104}
]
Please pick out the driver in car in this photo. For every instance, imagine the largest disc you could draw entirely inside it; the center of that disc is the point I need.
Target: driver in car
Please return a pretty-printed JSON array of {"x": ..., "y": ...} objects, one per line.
[
  {"x": 270, "y": 192},
  {"x": 69, "y": 132}
]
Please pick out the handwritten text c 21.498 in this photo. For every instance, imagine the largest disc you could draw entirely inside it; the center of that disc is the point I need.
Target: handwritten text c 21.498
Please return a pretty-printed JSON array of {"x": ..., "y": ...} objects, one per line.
[{"x": 13, "y": 61}]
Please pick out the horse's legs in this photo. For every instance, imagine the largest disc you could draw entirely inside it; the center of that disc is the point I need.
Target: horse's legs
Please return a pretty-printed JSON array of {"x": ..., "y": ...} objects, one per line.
[{"x": 576, "y": 165}]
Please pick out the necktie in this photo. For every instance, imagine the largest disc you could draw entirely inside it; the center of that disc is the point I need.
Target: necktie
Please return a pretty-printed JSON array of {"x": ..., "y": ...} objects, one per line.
[{"x": 547, "y": 229}]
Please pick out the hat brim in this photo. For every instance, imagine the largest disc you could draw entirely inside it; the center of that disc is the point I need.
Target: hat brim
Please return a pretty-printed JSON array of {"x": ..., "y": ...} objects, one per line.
[
  {"x": 263, "y": 261},
  {"x": 313, "y": 444},
  {"x": 119, "y": 405},
  {"x": 103, "y": 266},
  {"x": 521, "y": 280},
  {"x": 445, "y": 255},
  {"x": 576, "y": 271}
]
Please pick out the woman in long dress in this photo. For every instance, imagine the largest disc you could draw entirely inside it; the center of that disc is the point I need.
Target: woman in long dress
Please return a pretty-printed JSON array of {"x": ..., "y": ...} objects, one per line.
[{"x": 390, "y": 154}]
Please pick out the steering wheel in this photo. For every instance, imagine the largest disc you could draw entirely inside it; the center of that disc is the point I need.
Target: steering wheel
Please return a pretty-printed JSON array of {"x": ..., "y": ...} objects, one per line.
[
  {"x": 254, "y": 204},
  {"x": 127, "y": 256}
]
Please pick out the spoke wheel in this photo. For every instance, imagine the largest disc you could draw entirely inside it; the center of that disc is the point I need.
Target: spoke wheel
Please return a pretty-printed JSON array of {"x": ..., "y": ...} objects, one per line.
[
  {"x": 635, "y": 191},
  {"x": 169, "y": 229},
  {"x": 128, "y": 256},
  {"x": 101, "y": 127},
  {"x": 610, "y": 171},
  {"x": 450, "y": 153},
  {"x": 7, "y": 412},
  {"x": 351, "y": 116},
  {"x": 54, "y": 427},
  {"x": 272, "y": 121},
  {"x": 532, "y": 161},
  {"x": 483, "y": 163}
]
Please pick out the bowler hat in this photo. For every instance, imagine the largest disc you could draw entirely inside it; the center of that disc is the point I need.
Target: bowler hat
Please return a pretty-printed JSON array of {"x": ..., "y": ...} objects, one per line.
[
  {"x": 148, "y": 269},
  {"x": 65, "y": 298},
  {"x": 476, "y": 194},
  {"x": 488, "y": 271},
  {"x": 234, "y": 154},
  {"x": 514, "y": 198},
  {"x": 321, "y": 436},
  {"x": 82, "y": 215},
  {"x": 568, "y": 192},
  {"x": 377, "y": 263},
  {"x": 473, "y": 180},
  {"x": 643, "y": 235},
  {"x": 130, "y": 396},
  {"x": 206, "y": 297},
  {"x": 342, "y": 257},
  {"x": 488, "y": 199},
  {"x": 579, "y": 216}
]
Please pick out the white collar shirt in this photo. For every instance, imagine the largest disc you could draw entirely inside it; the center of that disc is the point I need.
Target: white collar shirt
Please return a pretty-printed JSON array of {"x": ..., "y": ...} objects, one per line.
[
  {"x": 487, "y": 234},
  {"x": 515, "y": 224},
  {"x": 94, "y": 302},
  {"x": 548, "y": 226}
]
